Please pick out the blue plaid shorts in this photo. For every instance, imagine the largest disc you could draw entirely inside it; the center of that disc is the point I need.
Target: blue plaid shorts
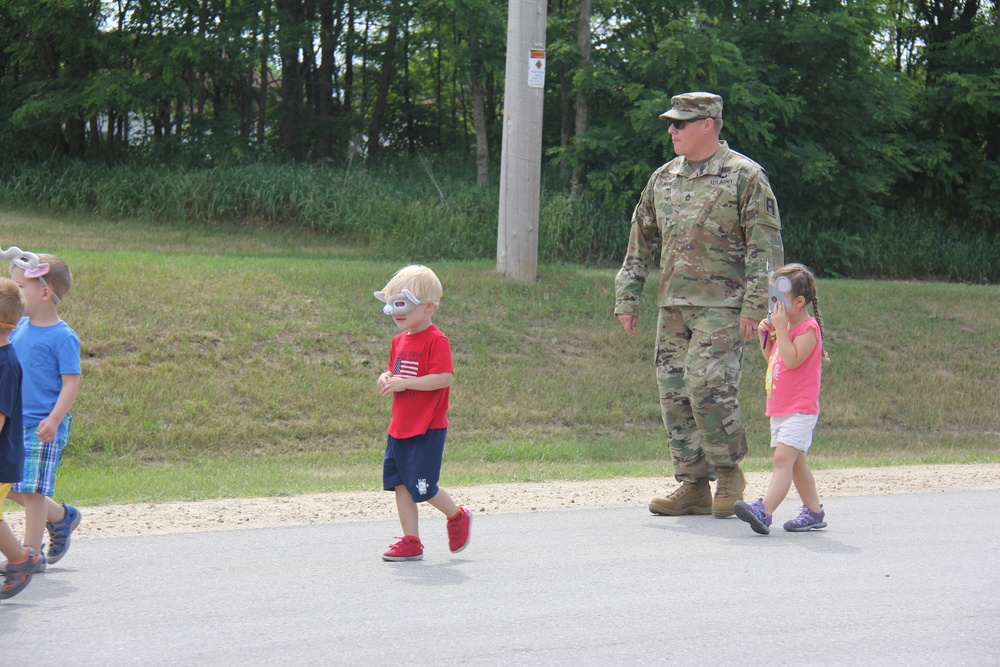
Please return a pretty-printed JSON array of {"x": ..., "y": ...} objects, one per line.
[{"x": 41, "y": 459}]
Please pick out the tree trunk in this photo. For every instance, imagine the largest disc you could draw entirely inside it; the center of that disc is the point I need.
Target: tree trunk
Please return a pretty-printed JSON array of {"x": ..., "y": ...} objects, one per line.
[
  {"x": 566, "y": 120},
  {"x": 325, "y": 102},
  {"x": 109, "y": 142},
  {"x": 388, "y": 66},
  {"x": 95, "y": 135},
  {"x": 349, "y": 61},
  {"x": 76, "y": 136},
  {"x": 585, "y": 45},
  {"x": 482, "y": 139},
  {"x": 291, "y": 88},
  {"x": 265, "y": 79},
  {"x": 407, "y": 87}
]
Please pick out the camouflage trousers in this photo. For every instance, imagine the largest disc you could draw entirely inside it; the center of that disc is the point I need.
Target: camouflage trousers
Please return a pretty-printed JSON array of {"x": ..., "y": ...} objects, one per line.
[{"x": 699, "y": 362}]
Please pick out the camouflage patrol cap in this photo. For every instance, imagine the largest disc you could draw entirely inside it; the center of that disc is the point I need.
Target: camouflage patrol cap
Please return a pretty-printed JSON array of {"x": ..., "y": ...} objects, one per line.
[{"x": 693, "y": 105}]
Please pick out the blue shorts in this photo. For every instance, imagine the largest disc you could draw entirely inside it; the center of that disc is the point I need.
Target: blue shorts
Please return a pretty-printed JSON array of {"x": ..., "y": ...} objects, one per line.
[
  {"x": 414, "y": 463},
  {"x": 41, "y": 459}
]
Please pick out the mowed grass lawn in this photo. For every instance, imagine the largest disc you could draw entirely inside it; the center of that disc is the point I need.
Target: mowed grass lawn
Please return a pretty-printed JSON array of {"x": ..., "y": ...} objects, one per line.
[{"x": 230, "y": 362}]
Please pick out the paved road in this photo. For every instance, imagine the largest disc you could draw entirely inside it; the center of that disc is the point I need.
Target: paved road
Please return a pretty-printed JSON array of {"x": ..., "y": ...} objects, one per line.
[{"x": 895, "y": 580}]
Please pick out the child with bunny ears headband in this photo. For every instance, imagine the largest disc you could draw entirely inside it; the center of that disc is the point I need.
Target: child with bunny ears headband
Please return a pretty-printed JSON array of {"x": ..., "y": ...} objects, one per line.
[{"x": 51, "y": 349}]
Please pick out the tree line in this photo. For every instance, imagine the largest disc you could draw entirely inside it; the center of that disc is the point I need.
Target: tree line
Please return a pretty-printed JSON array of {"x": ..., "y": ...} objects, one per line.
[{"x": 857, "y": 108}]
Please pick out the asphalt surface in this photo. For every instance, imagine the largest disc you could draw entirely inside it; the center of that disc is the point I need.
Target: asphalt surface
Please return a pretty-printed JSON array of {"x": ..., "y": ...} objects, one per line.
[{"x": 894, "y": 580}]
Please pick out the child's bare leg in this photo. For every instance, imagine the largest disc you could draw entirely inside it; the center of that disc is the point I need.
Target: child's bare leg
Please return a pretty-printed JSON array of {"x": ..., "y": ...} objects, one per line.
[
  {"x": 805, "y": 483},
  {"x": 35, "y": 516},
  {"x": 10, "y": 546},
  {"x": 442, "y": 500},
  {"x": 781, "y": 478},
  {"x": 408, "y": 513},
  {"x": 53, "y": 511}
]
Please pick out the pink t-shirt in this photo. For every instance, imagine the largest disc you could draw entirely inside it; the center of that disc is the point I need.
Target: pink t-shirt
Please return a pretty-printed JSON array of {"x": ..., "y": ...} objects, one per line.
[{"x": 795, "y": 390}]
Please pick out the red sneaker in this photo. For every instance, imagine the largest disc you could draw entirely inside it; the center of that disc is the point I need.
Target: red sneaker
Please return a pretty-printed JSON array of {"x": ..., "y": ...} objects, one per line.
[
  {"x": 408, "y": 548},
  {"x": 459, "y": 528}
]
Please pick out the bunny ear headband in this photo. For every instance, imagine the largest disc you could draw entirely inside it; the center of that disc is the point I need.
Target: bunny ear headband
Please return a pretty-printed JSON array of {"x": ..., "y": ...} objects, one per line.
[
  {"x": 28, "y": 261},
  {"x": 23, "y": 259}
]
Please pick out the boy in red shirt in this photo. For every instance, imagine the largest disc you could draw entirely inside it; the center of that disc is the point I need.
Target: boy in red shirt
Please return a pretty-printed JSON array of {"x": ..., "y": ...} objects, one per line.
[{"x": 418, "y": 379}]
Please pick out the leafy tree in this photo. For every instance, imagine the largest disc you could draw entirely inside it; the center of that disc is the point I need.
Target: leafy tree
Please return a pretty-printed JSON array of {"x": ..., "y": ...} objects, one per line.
[
  {"x": 46, "y": 59},
  {"x": 831, "y": 145},
  {"x": 855, "y": 107},
  {"x": 954, "y": 138}
]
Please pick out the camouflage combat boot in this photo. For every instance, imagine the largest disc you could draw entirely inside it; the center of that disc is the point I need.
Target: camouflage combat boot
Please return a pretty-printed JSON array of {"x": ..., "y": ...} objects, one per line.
[
  {"x": 728, "y": 490},
  {"x": 689, "y": 498}
]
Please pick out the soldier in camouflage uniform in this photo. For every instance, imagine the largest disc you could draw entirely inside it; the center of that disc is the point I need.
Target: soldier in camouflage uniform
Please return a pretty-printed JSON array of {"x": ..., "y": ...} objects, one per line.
[{"x": 712, "y": 214}]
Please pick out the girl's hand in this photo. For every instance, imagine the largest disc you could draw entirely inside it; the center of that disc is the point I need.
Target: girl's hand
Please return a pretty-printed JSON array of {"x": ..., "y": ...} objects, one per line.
[
  {"x": 779, "y": 317},
  {"x": 764, "y": 332}
]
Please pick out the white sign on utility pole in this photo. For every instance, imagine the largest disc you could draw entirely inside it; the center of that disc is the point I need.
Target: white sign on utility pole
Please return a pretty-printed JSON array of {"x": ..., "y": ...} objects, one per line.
[
  {"x": 521, "y": 158},
  {"x": 536, "y": 68}
]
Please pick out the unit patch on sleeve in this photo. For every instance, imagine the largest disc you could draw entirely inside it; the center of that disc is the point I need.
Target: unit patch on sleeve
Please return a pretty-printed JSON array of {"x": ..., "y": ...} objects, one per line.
[{"x": 771, "y": 207}]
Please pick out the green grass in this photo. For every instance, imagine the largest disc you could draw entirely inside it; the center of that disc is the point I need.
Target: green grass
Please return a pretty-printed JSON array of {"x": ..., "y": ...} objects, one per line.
[
  {"x": 228, "y": 362},
  {"x": 434, "y": 209}
]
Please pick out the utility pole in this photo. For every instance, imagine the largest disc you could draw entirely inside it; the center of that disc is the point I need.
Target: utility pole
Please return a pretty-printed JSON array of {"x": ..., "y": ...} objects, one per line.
[{"x": 521, "y": 155}]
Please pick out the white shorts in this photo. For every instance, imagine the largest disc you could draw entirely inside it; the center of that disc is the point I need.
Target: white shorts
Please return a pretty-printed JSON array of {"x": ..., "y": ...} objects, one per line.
[{"x": 793, "y": 430}]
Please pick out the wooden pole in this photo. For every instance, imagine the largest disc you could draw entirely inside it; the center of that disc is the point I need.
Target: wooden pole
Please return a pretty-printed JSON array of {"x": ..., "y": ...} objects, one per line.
[{"x": 521, "y": 156}]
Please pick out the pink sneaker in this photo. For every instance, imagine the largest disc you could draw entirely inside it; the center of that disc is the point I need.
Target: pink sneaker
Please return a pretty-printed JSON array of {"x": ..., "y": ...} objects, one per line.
[
  {"x": 459, "y": 528},
  {"x": 408, "y": 548}
]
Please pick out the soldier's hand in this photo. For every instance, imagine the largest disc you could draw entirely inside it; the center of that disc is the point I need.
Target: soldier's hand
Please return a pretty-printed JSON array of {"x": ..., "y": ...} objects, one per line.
[
  {"x": 629, "y": 322},
  {"x": 748, "y": 328}
]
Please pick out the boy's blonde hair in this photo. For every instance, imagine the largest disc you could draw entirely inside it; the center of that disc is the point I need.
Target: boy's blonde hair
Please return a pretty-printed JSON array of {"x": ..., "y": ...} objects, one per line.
[
  {"x": 59, "y": 277},
  {"x": 419, "y": 280},
  {"x": 11, "y": 303}
]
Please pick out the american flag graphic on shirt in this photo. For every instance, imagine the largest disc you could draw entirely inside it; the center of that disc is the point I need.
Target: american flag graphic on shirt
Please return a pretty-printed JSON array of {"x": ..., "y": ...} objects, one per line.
[{"x": 404, "y": 368}]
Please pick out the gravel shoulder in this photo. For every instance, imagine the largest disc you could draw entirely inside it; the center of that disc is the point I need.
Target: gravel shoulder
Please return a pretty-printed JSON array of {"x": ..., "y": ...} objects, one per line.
[
  {"x": 321, "y": 508},
  {"x": 324, "y": 508}
]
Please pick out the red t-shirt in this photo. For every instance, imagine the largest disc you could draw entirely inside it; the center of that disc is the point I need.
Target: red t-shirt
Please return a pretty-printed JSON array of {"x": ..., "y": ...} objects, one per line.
[{"x": 415, "y": 355}]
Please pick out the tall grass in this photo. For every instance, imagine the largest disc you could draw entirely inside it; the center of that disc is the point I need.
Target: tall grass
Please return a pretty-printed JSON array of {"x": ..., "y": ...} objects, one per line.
[
  {"x": 904, "y": 245},
  {"x": 234, "y": 361},
  {"x": 434, "y": 210}
]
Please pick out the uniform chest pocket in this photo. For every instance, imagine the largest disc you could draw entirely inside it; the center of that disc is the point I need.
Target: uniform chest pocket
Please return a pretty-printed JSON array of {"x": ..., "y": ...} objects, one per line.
[{"x": 720, "y": 215}]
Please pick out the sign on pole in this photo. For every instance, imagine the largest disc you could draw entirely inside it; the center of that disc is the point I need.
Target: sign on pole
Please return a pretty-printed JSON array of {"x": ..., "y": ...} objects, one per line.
[
  {"x": 536, "y": 68},
  {"x": 521, "y": 156}
]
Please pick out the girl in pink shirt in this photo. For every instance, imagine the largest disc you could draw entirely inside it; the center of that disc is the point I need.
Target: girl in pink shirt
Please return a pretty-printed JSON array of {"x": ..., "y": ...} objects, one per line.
[{"x": 792, "y": 343}]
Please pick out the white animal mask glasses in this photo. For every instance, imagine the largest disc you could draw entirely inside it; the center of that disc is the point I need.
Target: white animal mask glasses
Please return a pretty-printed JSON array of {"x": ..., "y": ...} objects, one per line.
[{"x": 398, "y": 304}]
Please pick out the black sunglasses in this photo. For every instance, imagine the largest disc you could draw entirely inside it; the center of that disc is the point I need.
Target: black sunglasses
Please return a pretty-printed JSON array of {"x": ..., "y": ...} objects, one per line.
[{"x": 680, "y": 124}]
